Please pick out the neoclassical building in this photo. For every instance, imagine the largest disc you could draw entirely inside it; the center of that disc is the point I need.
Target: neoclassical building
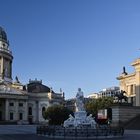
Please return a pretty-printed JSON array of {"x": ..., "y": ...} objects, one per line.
[
  {"x": 22, "y": 103},
  {"x": 131, "y": 83}
]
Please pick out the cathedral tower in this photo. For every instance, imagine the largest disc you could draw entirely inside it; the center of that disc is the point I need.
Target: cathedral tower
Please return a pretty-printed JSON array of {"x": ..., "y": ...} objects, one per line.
[{"x": 5, "y": 58}]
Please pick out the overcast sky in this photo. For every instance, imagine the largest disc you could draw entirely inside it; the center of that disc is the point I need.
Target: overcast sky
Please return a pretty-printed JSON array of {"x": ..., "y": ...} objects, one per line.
[{"x": 72, "y": 43}]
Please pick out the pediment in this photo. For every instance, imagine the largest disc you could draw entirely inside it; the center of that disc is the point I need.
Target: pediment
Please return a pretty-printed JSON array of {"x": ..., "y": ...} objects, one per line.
[{"x": 5, "y": 88}]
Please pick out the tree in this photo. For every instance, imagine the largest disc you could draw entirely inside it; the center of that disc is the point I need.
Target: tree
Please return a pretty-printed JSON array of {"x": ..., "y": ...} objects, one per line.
[
  {"x": 94, "y": 105},
  {"x": 57, "y": 114}
]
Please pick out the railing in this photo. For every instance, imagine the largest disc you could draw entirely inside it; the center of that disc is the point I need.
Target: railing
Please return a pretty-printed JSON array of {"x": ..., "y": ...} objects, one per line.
[
  {"x": 5, "y": 50},
  {"x": 79, "y": 132}
]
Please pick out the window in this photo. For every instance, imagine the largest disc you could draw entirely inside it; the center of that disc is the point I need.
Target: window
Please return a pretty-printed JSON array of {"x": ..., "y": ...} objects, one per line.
[
  {"x": 132, "y": 88},
  {"x": 11, "y": 104},
  {"x": 20, "y": 116},
  {"x": 43, "y": 110},
  {"x": 20, "y": 104},
  {"x": 11, "y": 116},
  {"x": 30, "y": 111}
]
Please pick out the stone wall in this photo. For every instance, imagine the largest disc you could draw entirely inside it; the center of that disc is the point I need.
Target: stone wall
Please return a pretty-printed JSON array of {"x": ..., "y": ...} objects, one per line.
[{"x": 124, "y": 113}]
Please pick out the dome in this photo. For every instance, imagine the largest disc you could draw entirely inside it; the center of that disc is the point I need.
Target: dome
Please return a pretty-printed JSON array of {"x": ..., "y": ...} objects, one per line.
[{"x": 3, "y": 35}]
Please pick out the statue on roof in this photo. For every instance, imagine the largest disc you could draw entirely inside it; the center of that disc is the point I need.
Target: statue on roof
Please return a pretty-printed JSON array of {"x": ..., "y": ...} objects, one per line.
[
  {"x": 124, "y": 71},
  {"x": 16, "y": 79}
]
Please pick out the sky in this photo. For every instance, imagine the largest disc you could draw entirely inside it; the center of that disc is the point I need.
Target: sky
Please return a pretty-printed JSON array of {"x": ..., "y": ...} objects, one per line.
[{"x": 72, "y": 44}]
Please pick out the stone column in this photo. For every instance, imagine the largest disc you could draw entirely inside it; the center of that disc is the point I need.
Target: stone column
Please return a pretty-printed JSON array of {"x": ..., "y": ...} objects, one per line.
[
  {"x": 26, "y": 111},
  {"x": 37, "y": 111},
  {"x": 6, "y": 109},
  {"x": 10, "y": 75},
  {"x": 2, "y": 68},
  {"x": 129, "y": 90},
  {"x": 16, "y": 114},
  {"x": 138, "y": 88}
]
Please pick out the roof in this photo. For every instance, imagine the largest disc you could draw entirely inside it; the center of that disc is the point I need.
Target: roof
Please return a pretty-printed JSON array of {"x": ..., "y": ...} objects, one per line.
[{"x": 37, "y": 87}]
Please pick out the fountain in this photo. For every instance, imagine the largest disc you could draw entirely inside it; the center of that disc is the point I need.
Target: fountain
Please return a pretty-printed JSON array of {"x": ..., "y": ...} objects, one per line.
[
  {"x": 80, "y": 125},
  {"x": 80, "y": 118}
]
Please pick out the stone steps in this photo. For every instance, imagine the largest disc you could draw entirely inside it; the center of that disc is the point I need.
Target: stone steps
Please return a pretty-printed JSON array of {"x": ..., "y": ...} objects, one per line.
[{"x": 133, "y": 124}]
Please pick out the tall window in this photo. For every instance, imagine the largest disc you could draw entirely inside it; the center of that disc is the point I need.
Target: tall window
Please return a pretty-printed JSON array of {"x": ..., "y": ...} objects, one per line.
[
  {"x": 20, "y": 116},
  {"x": 132, "y": 89},
  {"x": 30, "y": 111},
  {"x": 43, "y": 111},
  {"x": 11, "y": 115}
]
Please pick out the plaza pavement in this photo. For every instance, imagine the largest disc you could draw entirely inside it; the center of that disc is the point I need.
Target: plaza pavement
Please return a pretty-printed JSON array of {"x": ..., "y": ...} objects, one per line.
[
  {"x": 28, "y": 132},
  {"x": 17, "y": 129}
]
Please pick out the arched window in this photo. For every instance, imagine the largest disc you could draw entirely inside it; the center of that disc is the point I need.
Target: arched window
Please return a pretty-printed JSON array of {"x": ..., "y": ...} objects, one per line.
[
  {"x": 43, "y": 111},
  {"x": 30, "y": 111}
]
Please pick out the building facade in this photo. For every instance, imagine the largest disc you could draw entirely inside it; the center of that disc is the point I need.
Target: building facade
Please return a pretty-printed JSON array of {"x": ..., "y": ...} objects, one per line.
[
  {"x": 107, "y": 92},
  {"x": 93, "y": 96},
  {"x": 22, "y": 103},
  {"x": 131, "y": 83}
]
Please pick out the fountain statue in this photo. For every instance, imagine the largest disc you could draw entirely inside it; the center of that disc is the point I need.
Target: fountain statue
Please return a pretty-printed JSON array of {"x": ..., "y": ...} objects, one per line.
[
  {"x": 80, "y": 118},
  {"x": 79, "y": 101}
]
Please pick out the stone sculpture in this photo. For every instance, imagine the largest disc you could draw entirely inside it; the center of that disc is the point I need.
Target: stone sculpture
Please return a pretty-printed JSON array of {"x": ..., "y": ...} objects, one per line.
[
  {"x": 80, "y": 118},
  {"x": 80, "y": 101}
]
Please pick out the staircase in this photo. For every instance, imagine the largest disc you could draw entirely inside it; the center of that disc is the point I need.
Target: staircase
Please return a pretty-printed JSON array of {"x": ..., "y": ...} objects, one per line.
[{"x": 133, "y": 124}]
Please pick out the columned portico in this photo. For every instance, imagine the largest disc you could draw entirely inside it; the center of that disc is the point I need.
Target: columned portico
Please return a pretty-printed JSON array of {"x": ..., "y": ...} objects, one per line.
[{"x": 13, "y": 106}]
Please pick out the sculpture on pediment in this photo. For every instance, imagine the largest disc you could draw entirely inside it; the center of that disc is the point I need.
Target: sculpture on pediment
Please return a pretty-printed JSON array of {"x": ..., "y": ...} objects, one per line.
[{"x": 17, "y": 80}]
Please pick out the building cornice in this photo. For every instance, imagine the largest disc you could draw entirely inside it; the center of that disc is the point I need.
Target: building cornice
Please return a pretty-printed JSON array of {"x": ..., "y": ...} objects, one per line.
[
  {"x": 13, "y": 96},
  {"x": 122, "y": 76},
  {"x": 136, "y": 62}
]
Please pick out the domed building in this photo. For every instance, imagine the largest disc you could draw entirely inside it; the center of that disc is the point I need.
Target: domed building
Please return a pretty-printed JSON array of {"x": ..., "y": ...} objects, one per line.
[{"x": 22, "y": 103}]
